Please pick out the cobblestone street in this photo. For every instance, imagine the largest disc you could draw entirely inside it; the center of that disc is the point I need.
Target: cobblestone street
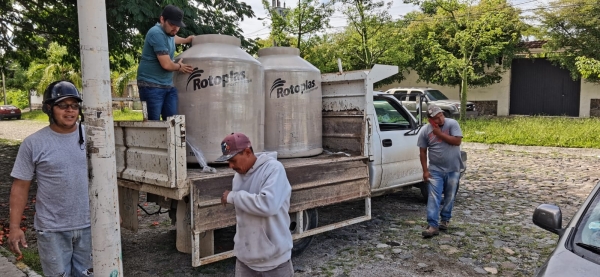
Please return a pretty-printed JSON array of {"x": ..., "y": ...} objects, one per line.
[{"x": 491, "y": 231}]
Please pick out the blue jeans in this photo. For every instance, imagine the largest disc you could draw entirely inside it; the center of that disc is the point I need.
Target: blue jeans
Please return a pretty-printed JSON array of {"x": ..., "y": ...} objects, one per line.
[
  {"x": 159, "y": 101},
  {"x": 67, "y": 253},
  {"x": 441, "y": 183}
]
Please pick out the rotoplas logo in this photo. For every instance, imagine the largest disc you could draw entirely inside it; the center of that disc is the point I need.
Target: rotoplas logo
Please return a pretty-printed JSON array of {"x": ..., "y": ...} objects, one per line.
[{"x": 282, "y": 90}]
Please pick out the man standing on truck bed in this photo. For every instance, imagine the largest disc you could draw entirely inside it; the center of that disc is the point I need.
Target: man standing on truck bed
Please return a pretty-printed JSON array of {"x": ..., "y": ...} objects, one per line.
[
  {"x": 56, "y": 157},
  {"x": 261, "y": 196},
  {"x": 441, "y": 141},
  {"x": 155, "y": 71}
]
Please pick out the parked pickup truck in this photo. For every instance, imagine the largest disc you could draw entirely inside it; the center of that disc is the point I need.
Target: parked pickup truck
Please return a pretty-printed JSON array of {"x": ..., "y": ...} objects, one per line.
[
  {"x": 410, "y": 98},
  {"x": 370, "y": 149}
]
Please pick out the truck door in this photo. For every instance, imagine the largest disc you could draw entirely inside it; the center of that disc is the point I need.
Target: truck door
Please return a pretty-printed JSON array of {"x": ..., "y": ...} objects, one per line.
[{"x": 398, "y": 153}]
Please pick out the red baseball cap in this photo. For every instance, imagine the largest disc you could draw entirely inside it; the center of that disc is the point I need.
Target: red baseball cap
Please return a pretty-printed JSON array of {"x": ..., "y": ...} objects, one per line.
[{"x": 232, "y": 145}]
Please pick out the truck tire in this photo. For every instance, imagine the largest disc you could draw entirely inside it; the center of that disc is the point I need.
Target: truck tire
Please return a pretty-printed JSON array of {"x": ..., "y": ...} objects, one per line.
[
  {"x": 424, "y": 187},
  {"x": 311, "y": 221},
  {"x": 446, "y": 114}
]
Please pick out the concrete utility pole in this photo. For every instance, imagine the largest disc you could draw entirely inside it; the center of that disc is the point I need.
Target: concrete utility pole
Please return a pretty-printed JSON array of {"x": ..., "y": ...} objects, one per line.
[{"x": 100, "y": 138}]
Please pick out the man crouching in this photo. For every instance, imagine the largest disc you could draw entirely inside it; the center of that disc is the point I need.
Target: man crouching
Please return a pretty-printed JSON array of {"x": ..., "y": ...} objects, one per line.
[{"x": 261, "y": 196}]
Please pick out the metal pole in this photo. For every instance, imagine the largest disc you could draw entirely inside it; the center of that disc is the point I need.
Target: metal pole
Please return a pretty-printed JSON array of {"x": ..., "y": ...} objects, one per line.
[
  {"x": 4, "y": 87},
  {"x": 100, "y": 138}
]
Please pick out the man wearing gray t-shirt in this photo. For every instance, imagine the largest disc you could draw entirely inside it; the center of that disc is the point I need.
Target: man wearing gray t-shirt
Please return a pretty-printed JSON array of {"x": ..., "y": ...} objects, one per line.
[
  {"x": 55, "y": 156},
  {"x": 440, "y": 141}
]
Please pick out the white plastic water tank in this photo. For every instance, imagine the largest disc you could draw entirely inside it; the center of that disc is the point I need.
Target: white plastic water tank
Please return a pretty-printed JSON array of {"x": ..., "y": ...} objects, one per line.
[
  {"x": 224, "y": 94},
  {"x": 293, "y": 121}
]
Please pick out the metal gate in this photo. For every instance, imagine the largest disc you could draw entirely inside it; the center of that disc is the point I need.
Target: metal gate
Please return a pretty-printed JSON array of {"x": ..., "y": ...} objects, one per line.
[{"x": 538, "y": 87}]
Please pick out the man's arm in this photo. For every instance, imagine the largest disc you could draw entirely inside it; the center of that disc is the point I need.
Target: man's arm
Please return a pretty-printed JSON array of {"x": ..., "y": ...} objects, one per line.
[
  {"x": 423, "y": 158},
  {"x": 18, "y": 199},
  {"x": 167, "y": 64},
  {"x": 452, "y": 140},
  {"x": 180, "y": 40},
  {"x": 274, "y": 192}
]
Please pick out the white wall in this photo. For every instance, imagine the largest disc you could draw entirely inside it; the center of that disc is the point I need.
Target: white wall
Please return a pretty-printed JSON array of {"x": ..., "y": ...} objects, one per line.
[
  {"x": 37, "y": 99},
  {"x": 588, "y": 91}
]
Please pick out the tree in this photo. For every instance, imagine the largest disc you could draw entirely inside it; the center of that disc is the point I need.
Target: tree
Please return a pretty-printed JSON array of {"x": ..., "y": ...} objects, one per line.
[
  {"x": 366, "y": 19},
  {"x": 460, "y": 44},
  {"x": 308, "y": 18},
  {"x": 43, "y": 72},
  {"x": 29, "y": 26},
  {"x": 571, "y": 29}
]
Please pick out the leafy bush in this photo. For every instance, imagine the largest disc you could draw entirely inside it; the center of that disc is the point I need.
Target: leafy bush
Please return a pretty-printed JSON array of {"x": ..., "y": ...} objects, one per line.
[{"x": 16, "y": 97}]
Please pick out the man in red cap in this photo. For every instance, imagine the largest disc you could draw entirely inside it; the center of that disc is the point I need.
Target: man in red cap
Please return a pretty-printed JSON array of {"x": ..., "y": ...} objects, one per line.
[{"x": 261, "y": 196}]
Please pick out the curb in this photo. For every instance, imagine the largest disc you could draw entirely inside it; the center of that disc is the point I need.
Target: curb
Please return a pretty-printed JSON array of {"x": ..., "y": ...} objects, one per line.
[
  {"x": 20, "y": 265},
  {"x": 590, "y": 152}
]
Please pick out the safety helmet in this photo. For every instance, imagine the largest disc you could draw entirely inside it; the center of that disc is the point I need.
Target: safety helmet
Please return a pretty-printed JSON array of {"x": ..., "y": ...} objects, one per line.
[{"x": 58, "y": 91}]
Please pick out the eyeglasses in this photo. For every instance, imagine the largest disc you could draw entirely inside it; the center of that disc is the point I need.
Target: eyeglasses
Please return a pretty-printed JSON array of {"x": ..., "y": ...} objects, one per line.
[{"x": 64, "y": 106}]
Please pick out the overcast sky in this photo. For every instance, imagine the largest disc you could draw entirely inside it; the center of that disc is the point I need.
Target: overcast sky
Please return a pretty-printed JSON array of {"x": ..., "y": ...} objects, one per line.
[{"x": 254, "y": 28}]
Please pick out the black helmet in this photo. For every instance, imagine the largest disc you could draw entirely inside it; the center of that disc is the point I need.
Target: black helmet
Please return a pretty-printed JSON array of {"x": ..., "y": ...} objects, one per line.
[{"x": 58, "y": 91}]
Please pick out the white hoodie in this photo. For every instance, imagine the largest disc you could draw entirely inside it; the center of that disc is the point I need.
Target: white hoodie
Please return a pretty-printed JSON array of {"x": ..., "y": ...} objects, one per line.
[{"x": 262, "y": 200}]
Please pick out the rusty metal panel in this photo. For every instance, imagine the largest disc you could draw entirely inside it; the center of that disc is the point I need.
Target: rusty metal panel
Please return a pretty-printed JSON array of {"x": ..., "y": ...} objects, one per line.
[
  {"x": 344, "y": 131},
  {"x": 316, "y": 182},
  {"x": 152, "y": 152}
]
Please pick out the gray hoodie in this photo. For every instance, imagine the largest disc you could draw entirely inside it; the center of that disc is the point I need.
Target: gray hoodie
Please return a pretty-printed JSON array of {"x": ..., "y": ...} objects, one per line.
[{"x": 262, "y": 200}]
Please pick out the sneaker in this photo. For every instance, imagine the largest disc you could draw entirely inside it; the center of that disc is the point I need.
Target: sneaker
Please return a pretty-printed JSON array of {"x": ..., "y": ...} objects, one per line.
[
  {"x": 430, "y": 232},
  {"x": 444, "y": 225}
]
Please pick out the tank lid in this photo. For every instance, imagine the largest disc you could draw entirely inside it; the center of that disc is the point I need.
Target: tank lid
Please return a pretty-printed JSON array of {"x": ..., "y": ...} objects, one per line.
[
  {"x": 222, "y": 39},
  {"x": 278, "y": 51}
]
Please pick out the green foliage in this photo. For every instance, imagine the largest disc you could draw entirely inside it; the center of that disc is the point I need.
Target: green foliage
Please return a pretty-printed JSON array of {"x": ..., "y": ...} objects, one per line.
[
  {"x": 42, "y": 73},
  {"x": 306, "y": 19},
  {"x": 571, "y": 28},
  {"x": 16, "y": 97},
  {"x": 323, "y": 51},
  {"x": 366, "y": 18},
  {"x": 32, "y": 25},
  {"x": 589, "y": 68},
  {"x": 456, "y": 43},
  {"x": 384, "y": 44},
  {"x": 536, "y": 131},
  {"x": 120, "y": 80}
]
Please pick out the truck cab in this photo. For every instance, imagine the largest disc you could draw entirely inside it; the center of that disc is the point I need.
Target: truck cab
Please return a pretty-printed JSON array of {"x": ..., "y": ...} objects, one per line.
[{"x": 395, "y": 161}]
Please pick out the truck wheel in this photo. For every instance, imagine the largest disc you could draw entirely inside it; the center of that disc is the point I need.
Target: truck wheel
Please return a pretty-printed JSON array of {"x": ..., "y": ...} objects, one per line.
[
  {"x": 311, "y": 220},
  {"x": 446, "y": 114},
  {"x": 424, "y": 187}
]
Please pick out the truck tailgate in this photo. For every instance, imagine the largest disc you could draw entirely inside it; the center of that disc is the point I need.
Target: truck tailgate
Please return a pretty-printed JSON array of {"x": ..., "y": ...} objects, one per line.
[{"x": 316, "y": 181}]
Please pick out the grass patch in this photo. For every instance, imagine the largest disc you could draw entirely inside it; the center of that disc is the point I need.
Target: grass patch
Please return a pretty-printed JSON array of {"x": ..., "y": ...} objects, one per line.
[
  {"x": 5, "y": 142},
  {"x": 534, "y": 131},
  {"x": 35, "y": 115},
  {"x": 517, "y": 130},
  {"x": 118, "y": 115},
  {"x": 127, "y": 115},
  {"x": 32, "y": 259}
]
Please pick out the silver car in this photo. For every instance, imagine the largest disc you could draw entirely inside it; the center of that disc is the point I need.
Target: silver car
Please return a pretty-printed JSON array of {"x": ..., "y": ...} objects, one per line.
[{"x": 578, "y": 250}]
